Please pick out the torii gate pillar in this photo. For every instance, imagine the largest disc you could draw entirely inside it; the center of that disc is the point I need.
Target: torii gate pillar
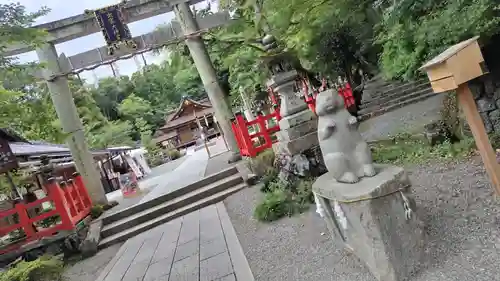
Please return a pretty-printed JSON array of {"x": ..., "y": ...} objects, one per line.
[
  {"x": 208, "y": 75},
  {"x": 71, "y": 123}
]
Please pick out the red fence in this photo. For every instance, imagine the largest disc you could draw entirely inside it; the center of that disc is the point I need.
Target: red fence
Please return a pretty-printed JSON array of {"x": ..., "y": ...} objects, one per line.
[
  {"x": 251, "y": 144},
  {"x": 310, "y": 94},
  {"x": 70, "y": 201}
]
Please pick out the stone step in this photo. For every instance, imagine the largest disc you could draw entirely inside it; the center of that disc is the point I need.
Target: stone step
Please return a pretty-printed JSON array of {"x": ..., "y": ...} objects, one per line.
[
  {"x": 374, "y": 86},
  {"x": 395, "y": 98},
  {"x": 137, "y": 229},
  {"x": 386, "y": 109},
  {"x": 169, "y": 206},
  {"x": 130, "y": 211},
  {"x": 390, "y": 90},
  {"x": 397, "y": 88},
  {"x": 377, "y": 82}
]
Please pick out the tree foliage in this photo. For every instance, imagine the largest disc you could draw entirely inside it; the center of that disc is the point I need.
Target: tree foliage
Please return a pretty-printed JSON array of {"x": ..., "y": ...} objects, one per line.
[{"x": 413, "y": 31}]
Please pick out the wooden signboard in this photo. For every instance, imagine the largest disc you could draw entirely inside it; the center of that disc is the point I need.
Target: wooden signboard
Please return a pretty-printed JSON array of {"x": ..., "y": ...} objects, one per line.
[
  {"x": 451, "y": 70},
  {"x": 8, "y": 160}
]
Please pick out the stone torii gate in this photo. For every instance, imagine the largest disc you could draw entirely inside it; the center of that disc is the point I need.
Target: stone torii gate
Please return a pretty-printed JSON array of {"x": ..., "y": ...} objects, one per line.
[{"x": 57, "y": 68}]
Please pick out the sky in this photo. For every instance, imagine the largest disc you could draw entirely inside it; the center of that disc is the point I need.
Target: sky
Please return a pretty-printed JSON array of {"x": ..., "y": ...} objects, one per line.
[{"x": 60, "y": 9}]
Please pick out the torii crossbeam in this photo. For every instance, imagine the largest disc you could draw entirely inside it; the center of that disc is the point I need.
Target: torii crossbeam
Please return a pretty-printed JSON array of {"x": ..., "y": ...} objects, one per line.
[{"x": 57, "y": 68}]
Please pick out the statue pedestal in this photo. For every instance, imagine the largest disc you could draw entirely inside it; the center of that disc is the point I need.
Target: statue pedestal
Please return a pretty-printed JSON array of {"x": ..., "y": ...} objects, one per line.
[{"x": 376, "y": 220}]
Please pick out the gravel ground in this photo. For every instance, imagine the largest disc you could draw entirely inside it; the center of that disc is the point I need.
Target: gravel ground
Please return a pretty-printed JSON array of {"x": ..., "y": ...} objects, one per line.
[
  {"x": 410, "y": 118},
  {"x": 456, "y": 201}
]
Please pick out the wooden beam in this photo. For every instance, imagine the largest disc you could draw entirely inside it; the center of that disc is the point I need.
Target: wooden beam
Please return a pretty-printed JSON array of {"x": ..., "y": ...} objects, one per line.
[
  {"x": 483, "y": 144},
  {"x": 157, "y": 37},
  {"x": 170, "y": 32},
  {"x": 82, "y": 25}
]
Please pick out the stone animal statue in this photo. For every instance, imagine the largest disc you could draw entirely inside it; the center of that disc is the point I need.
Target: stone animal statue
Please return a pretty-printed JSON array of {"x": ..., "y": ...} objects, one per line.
[{"x": 346, "y": 155}]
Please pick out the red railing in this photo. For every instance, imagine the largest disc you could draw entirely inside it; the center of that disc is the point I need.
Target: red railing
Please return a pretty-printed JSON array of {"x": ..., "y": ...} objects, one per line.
[
  {"x": 250, "y": 144},
  {"x": 310, "y": 93},
  {"x": 70, "y": 202}
]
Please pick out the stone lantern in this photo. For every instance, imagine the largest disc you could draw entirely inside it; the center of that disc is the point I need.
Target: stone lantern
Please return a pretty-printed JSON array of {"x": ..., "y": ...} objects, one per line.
[{"x": 297, "y": 145}]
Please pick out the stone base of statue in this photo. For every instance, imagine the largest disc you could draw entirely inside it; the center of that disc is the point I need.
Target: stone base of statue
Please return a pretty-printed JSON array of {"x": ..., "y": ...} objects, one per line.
[{"x": 376, "y": 220}]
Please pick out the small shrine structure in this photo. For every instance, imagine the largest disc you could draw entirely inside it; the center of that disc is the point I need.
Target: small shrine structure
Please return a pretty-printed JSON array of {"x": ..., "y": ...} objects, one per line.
[{"x": 183, "y": 126}]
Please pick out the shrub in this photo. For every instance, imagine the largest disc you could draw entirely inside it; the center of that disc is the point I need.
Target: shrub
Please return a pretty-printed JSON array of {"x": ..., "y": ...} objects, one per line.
[
  {"x": 45, "y": 268},
  {"x": 304, "y": 192},
  {"x": 154, "y": 161},
  {"x": 268, "y": 179},
  {"x": 263, "y": 162},
  {"x": 173, "y": 154},
  {"x": 284, "y": 199},
  {"x": 276, "y": 204},
  {"x": 96, "y": 211}
]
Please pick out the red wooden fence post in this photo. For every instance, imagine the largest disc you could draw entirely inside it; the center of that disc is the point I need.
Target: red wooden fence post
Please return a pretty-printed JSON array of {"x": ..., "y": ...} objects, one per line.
[
  {"x": 24, "y": 220},
  {"x": 237, "y": 136},
  {"x": 57, "y": 196},
  {"x": 263, "y": 128},
  {"x": 82, "y": 190},
  {"x": 75, "y": 195},
  {"x": 248, "y": 143},
  {"x": 67, "y": 198}
]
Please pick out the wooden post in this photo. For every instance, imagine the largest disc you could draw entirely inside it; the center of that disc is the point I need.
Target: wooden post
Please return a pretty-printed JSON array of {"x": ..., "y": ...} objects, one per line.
[
  {"x": 483, "y": 144},
  {"x": 452, "y": 70}
]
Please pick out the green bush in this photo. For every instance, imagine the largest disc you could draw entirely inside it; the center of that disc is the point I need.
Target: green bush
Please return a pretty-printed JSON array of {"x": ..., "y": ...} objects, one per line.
[
  {"x": 96, "y": 211},
  {"x": 304, "y": 192},
  {"x": 284, "y": 199},
  {"x": 261, "y": 164},
  {"x": 268, "y": 179},
  {"x": 45, "y": 268},
  {"x": 276, "y": 204},
  {"x": 154, "y": 160},
  {"x": 173, "y": 154}
]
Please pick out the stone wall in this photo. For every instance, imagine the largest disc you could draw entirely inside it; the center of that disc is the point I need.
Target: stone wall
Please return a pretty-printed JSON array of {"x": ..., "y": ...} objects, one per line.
[{"x": 486, "y": 91}]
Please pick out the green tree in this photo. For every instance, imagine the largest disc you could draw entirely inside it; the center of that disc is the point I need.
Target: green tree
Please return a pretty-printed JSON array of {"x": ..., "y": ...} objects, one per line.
[
  {"x": 412, "y": 32},
  {"x": 110, "y": 93},
  {"x": 133, "y": 107}
]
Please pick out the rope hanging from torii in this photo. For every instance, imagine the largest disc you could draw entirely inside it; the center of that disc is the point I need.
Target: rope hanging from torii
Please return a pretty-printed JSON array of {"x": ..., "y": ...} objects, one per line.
[
  {"x": 129, "y": 56},
  {"x": 111, "y": 20}
]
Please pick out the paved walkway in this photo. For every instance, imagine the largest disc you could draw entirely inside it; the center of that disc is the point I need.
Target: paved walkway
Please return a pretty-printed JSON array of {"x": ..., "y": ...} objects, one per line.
[
  {"x": 201, "y": 246},
  {"x": 191, "y": 248}
]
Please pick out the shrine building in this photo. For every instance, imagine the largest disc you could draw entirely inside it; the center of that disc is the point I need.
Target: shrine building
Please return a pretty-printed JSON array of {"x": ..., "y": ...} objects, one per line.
[{"x": 182, "y": 126}]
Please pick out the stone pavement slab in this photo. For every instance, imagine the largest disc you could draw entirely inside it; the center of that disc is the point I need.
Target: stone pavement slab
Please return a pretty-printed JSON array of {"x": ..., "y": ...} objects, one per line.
[{"x": 195, "y": 247}]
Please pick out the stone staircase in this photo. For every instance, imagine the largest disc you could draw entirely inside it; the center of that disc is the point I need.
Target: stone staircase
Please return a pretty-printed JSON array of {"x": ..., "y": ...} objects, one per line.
[
  {"x": 121, "y": 225},
  {"x": 380, "y": 96}
]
